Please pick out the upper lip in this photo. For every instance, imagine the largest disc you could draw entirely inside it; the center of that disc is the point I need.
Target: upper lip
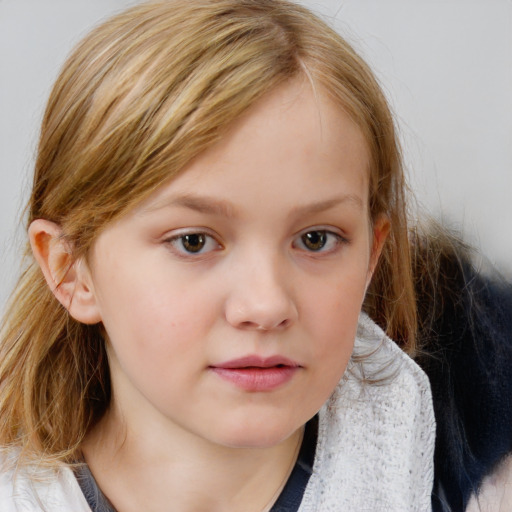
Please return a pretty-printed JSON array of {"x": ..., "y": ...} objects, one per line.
[{"x": 253, "y": 361}]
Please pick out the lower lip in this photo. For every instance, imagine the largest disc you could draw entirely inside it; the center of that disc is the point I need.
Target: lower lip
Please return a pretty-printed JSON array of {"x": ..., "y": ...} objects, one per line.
[{"x": 257, "y": 379}]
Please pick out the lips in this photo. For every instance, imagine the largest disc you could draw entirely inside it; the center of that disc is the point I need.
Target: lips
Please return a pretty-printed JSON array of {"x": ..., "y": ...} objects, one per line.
[{"x": 257, "y": 374}]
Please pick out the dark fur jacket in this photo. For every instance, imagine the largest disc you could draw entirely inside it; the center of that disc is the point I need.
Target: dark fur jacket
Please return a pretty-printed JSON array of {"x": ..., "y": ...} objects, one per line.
[{"x": 466, "y": 350}]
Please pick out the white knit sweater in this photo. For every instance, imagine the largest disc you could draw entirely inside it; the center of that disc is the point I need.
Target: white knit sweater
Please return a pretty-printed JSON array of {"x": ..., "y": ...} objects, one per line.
[
  {"x": 376, "y": 440},
  {"x": 374, "y": 451}
]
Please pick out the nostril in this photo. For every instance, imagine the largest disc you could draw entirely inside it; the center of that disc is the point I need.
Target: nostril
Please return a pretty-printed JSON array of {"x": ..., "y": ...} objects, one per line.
[
  {"x": 258, "y": 327},
  {"x": 251, "y": 325}
]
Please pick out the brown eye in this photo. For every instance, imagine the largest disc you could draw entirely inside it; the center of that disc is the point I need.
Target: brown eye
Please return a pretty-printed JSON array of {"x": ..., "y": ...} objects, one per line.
[
  {"x": 193, "y": 242},
  {"x": 314, "y": 240},
  {"x": 193, "y": 245}
]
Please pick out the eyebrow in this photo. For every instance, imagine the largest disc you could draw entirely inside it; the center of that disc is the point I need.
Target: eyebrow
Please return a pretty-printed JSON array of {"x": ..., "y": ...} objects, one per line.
[
  {"x": 323, "y": 206},
  {"x": 213, "y": 206},
  {"x": 201, "y": 204}
]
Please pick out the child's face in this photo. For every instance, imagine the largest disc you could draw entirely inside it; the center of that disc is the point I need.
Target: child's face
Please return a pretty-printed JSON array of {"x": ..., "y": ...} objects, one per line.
[{"x": 231, "y": 296}]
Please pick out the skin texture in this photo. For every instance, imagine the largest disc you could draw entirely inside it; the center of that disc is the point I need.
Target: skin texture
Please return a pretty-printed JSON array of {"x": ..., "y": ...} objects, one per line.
[{"x": 294, "y": 165}]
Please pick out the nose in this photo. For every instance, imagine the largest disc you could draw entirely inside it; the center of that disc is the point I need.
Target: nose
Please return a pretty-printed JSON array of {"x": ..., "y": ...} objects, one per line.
[{"x": 260, "y": 297}]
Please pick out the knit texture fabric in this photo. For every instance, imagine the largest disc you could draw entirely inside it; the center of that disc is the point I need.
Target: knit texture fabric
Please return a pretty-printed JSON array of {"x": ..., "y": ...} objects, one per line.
[{"x": 376, "y": 434}]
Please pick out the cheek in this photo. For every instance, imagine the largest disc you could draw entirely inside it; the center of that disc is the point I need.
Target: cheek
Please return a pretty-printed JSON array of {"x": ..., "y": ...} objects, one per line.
[
  {"x": 157, "y": 343},
  {"x": 332, "y": 319},
  {"x": 336, "y": 305},
  {"x": 150, "y": 315}
]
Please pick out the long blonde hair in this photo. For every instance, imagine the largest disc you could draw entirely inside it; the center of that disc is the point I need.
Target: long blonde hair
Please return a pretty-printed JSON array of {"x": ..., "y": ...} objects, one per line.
[{"x": 138, "y": 98}]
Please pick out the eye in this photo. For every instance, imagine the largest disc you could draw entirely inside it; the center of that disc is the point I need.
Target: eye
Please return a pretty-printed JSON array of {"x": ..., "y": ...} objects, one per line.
[
  {"x": 314, "y": 240},
  {"x": 193, "y": 243},
  {"x": 319, "y": 240}
]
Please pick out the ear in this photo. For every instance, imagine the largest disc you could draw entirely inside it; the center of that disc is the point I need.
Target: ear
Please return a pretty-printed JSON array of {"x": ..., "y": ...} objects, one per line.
[
  {"x": 381, "y": 228},
  {"x": 69, "y": 279}
]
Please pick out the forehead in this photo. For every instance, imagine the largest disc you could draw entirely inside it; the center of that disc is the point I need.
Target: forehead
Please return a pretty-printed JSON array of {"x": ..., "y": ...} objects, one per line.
[{"x": 292, "y": 144}]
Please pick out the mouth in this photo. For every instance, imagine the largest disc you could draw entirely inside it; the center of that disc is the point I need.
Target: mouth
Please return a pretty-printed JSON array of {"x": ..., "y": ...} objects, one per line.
[{"x": 257, "y": 374}]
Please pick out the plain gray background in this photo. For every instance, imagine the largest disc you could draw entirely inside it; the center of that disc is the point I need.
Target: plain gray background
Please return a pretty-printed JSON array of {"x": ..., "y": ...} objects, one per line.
[{"x": 446, "y": 66}]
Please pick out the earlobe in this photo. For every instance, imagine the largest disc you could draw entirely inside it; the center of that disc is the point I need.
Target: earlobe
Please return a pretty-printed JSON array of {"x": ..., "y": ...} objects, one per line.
[{"x": 69, "y": 279}]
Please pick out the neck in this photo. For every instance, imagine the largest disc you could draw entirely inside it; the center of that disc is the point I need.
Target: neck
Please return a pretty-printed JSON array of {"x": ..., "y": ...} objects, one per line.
[{"x": 155, "y": 468}]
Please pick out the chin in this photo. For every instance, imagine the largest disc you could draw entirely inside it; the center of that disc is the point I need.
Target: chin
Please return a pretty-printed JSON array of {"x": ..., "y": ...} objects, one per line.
[{"x": 257, "y": 434}]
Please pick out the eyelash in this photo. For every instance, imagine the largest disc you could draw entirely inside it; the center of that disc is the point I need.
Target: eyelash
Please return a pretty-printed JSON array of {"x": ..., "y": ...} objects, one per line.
[
  {"x": 181, "y": 239},
  {"x": 332, "y": 241},
  {"x": 336, "y": 241}
]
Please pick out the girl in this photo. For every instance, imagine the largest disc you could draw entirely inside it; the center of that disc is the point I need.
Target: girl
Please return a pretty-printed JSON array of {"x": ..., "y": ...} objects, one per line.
[{"x": 217, "y": 221}]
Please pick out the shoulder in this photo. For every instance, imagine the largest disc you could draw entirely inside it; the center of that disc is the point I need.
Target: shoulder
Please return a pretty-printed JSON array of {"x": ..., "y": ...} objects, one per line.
[
  {"x": 376, "y": 433},
  {"x": 37, "y": 489},
  {"x": 495, "y": 494}
]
